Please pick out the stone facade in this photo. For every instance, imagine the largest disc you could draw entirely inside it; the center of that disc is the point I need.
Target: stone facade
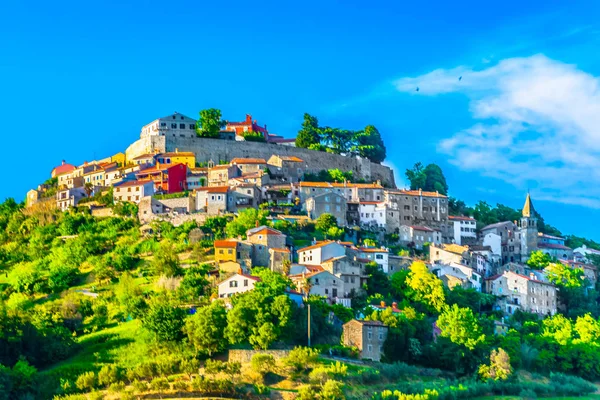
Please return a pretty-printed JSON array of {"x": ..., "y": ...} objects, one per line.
[
  {"x": 521, "y": 292},
  {"x": 367, "y": 336},
  {"x": 327, "y": 203},
  {"x": 263, "y": 239}
]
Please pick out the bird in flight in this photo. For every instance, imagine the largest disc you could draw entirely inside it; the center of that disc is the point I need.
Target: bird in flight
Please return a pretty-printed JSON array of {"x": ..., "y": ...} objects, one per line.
[
  {"x": 460, "y": 78},
  {"x": 417, "y": 89}
]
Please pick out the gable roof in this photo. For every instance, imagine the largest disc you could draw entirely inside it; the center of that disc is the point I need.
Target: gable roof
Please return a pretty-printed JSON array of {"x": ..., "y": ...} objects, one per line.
[
  {"x": 264, "y": 230},
  {"x": 366, "y": 323},
  {"x": 290, "y": 158},
  {"x": 554, "y": 246},
  {"x": 417, "y": 193},
  {"x": 422, "y": 228},
  {"x": 318, "y": 245},
  {"x": 496, "y": 225},
  {"x": 372, "y": 250},
  {"x": 133, "y": 183},
  {"x": 177, "y": 154},
  {"x": 213, "y": 189},
  {"x": 64, "y": 168},
  {"x": 460, "y": 218},
  {"x": 455, "y": 248}
]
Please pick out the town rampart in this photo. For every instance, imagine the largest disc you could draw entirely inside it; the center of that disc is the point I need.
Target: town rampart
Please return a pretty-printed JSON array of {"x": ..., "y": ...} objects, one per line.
[{"x": 224, "y": 150}]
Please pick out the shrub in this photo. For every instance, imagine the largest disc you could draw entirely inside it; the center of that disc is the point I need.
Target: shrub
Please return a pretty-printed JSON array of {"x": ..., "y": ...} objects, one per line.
[
  {"x": 262, "y": 390},
  {"x": 263, "y": 363},
  {"x": 332, "y": 390},
  {"x": 139, "y": 386},
  {"x": 307, "y": 392},
  {"x": 160, "y": 384},
  {"x": 86, "y": 381},
  {"x": 96, "y": 396},
  {"x": 108, "y": 375},
  {"x": 181, "y": 386},
  {"x": 527, "y": 394},
  {"x": 301, "y": 358}
]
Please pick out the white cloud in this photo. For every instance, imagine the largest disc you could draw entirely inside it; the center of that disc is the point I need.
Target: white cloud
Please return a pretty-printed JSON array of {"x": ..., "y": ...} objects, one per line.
[{"x": 537, "y": 124}]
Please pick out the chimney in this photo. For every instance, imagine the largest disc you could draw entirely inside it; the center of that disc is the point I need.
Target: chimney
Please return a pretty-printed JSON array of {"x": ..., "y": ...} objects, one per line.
[
  {"x": 256, "y": 224},
  {"x": 176, "y": 150},
  {"x": 531, "y": 276},
  {"x": 378, "y": 182},
  {"x": 420, "y": 192},
  {"x": 248, "y": 118},
  {"x": 382, "y": 304},
  {"x": 63, "y": 162},
  {"x": 240, "y": 271},
  {"x": 394, "y": 305},
  {"x": 254, "y": 122}
]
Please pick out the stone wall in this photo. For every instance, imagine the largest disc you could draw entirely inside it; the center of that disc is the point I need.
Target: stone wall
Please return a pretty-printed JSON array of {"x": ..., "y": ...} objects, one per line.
[
  {"x": 217, "y": 150},
  {"x": 187, "y": 203},
  {"x": 245, "y": 356},
  {"x": 102, "y": 212}
]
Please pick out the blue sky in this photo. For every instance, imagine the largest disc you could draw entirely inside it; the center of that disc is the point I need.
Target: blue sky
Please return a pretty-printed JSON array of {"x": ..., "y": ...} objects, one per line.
[{"x": 79, "y": 79}]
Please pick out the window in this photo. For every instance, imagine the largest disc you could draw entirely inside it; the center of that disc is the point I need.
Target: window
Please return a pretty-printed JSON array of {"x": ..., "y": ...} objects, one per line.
[
  {"x": 192, "y": 126},
  {"x": 379, "y": 256},
  {"x": 370, "y": 348},
  {"x": 174, "y": 126},
  {"x": 163, "y": 124},
  {"x": 245, "y": 282},
  {"x": 221, "y": 251},
  {"x": 326, "y": 291},
  {"x": 369, "y": 335},
  {"x": 233, "y": 284},
  {"x": 380, "y": 334},
  {"x": 229, "y": 251}
]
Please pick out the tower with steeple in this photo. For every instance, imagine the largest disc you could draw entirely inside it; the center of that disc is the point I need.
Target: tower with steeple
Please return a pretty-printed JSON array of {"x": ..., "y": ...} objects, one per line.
[{"x": 528, "y": 229}]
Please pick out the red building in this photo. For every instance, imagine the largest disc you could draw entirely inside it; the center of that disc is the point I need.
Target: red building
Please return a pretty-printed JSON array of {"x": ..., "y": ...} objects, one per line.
[
  {"x": 166, "y": 178},
  {"x": 247, "y": 126}
]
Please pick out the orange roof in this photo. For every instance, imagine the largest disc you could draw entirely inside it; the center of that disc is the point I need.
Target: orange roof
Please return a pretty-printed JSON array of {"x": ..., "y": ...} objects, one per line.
[
  {"x": 248, "y": 161},
  {"x": 317, "y": 245},
  {"x": 63, "y": 169},
  {"x": 143, "y": 156},
  {"x": 226, "y": 243},
  {"x": 213, "y": 189},
  {"x": 418, "y": 193},
  {"x": 178, "y": 154},
  {"x": 265, "y": 231},
  {"x": 342, "y": 185},
  {"x": 371, "y": 202},
  {"x": 224, "y": 166},
  {"x": 291, "y": 158},
  {"x": 281, "y": 250}
]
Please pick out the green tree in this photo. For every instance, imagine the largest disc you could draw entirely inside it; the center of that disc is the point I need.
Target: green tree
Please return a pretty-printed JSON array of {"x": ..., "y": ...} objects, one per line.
[
  {"x": 460, "y": 326},
  {"x": 538, "y": 259},
  {"x": 86, "y": 381},
  {"x": 194, "y": 283},
  {"x": 564, "y": 276},
  {"x": 108, "y": 375},
  {"x": 499, "y": 368},
  {"x": 245, "y": 220},
  {"x": 210, "y": 123},
  {"x": 378, "y": 282},
  {"x": 205, "y": 329},
  {"x": 325, "y": 222},
  {"x": 165, "y": 320},
  {"x": 369, "y": 144},
  {"x": 425, "y": 287},
  {"x": 588, "y": 330},
  {"x": 166, "y": 261},
  {"x": 309, "y": 134},
  {"x": 160, "y": 385},
  {"x": 429, "y": 178},
  {"x": 332, "y": 390}
]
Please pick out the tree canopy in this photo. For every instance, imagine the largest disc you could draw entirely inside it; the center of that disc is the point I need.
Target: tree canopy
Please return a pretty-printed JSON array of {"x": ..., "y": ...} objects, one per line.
[
  {"x": 210, "y": 123},
  {"x": 429, "y": 178}
]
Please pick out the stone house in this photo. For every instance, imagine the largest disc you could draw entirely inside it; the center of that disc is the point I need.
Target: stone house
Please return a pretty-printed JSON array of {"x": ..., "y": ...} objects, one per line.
[
  {"x": 280, "y": 259},
  {"x": 353, "y": 192},
  {"x": 367, "y": 336},
  {"x": 465, "y": 276},
  {"x": 174, "y": 125},
  {"x": 212, "y": 200},
  {"x": 349, "y": 271},
  {"x": 419, "y": 235},
  {"x": 133, "y": 191},
  {"x": 448, "y": 253},
  {"x": 219, "y": 175},
  {"x": 264, "y": 238},
  {"x": 327, "y": 203},
  {"x": 531, "y": 293},
  {"x": 249, "y": 165},
  {"x": 288, "y": 168},
  {"x": 554, "y": 246},
  {"x": 143, "y": 159},
  {"x": 418, "y": 208},
  {"x": 243, "y": 196}
]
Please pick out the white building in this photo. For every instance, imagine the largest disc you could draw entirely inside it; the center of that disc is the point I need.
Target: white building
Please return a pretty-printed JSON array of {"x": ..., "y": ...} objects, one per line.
[
  {"x": 464, "y": 228},
  {"x": 380, "y": 256},
  {"x": 494, "y": 241},
  {"x": 177, "y": 125},
  {"x": 68, "y": 198},
  {"x": 238, "y": 283},
  {"x": 467, "y": 275},
  {"x": 320, "y": 252},
  {"x": 372, "y": 213},
  {"x": 581, "y": 253},
  {"x": 133, "y": 191}
]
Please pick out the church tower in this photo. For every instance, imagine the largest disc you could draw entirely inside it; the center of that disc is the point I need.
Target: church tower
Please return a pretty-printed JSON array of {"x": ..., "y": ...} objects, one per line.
[{"x": 528, "y": 230}]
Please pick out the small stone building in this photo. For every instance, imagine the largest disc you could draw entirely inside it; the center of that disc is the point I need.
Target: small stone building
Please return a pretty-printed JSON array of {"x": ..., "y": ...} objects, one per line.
[{"x": 367, "y": 336}]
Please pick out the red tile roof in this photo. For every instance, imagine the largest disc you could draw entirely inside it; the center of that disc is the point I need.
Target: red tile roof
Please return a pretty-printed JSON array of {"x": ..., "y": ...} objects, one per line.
[
  {"x": 213, "y": 189},
  {"x": 226, "y": 243},
  {"x": 290, "y": 158},
  {"x": 423, "y": 228},
  {"x": 554, "y": 246},
  {"x": 371, "y": 250},
  {"x": 265, "y": 231},
  {"x": 418, "y": 193},
  {"x": 317, "y": 245},
  {"x": 64, "y": 168},
  {"x": 248, "y": 161},
  {"x": 178, "y": 154}
]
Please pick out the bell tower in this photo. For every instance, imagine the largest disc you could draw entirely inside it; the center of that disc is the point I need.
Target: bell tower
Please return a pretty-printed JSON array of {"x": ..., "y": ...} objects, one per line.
[{"x": 528, "y": 229}]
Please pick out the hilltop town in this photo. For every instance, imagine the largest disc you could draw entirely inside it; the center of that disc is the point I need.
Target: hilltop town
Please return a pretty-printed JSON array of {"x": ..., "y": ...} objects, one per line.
[{"x": 229, "y": 218}]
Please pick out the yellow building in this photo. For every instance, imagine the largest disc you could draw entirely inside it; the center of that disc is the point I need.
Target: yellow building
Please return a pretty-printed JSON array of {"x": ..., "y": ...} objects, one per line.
[
  {"x": 177, "y": 157},
  {"x": 225, "y": 250}
]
